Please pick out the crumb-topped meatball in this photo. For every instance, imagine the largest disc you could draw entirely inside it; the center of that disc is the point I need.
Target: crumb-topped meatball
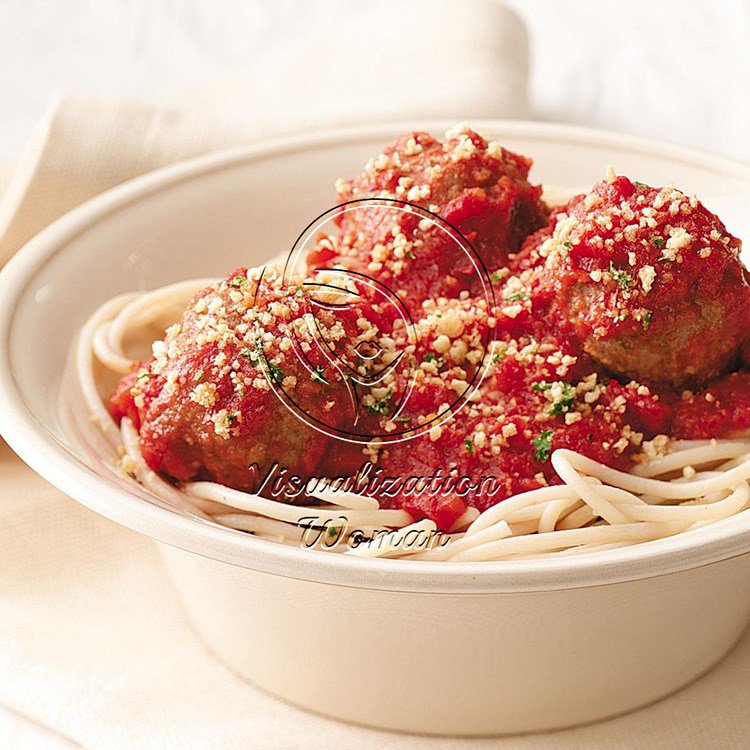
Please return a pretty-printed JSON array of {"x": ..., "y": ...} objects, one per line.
[
  {"x": 478, "y": 187},
  {"x": 650, "y": 281},
  {"x": 229, "y": 384}
]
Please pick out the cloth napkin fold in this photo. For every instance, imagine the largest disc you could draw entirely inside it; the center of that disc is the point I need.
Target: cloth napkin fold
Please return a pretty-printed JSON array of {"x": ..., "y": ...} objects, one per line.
[
  {"x": 432, "y": 60},
  {"x": 93, "y": 640}
]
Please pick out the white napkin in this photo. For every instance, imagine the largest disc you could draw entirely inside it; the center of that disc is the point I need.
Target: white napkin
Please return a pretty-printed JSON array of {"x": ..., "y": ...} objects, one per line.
[
  {"x": 93, "y": 641},
  {"x": 441, "y": 59}
]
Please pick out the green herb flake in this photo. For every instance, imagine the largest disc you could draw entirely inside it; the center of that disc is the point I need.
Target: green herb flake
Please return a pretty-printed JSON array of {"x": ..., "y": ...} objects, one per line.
[
  {"x": 623, "y": 278},
  {"x": 658, "y": 242},
  {"x": 469, "y": 445},
  {"x": 567, "y": 245},
  {"x": 495, "y": 277},
  {"x": 562, "y": 406},
  {"x": 237, "y": 281},
  {"x": 517, "y": 296},
  {"x": 275, "y": 372},
  {"x": 543, "y": 446},
  {"x": 564, "y": 402},
  {"x": 318, "y": 376},
  {"x": 300, "y": 291},
  {"x": 647, "y": 318},
  {"x": 410, "y": 254},
  {"x": 499, "y": 355},
  {"x": 402, "y": 419},
  {"x": 430, "y": 357},
  {"x": 640, "y": 185},
  {"x": 143, "y": 376},
  {"x": 381, "y": 407},
  {"x": 231, "y": 419},
  {"x": 251, "y": 355}
]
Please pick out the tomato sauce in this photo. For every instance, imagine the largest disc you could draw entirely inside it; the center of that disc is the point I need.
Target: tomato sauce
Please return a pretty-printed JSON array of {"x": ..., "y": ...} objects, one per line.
[{"x": 615, "y": 322}]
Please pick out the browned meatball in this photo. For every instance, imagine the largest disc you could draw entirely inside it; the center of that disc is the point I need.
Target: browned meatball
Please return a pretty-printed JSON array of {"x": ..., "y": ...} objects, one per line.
[
  {"x": 650, "y": 281},
  {"x": 256, "y": 371},
  {"x": 478, "y": 187}
]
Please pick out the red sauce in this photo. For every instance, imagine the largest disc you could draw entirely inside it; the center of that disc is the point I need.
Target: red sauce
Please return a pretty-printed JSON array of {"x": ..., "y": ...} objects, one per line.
[
  {"x": 622, "y": 319},
  {"x": 476, "y": 186}
]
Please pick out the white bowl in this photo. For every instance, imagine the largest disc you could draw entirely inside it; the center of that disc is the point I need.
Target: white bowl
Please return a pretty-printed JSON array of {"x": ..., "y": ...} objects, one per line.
[{"x": 461, "y": 648}]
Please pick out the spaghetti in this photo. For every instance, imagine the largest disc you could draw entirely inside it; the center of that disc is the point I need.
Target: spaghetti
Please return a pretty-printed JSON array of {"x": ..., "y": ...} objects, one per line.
[
  {"x": 491, "y": 348},
  {"x": 594, "y": 508}
]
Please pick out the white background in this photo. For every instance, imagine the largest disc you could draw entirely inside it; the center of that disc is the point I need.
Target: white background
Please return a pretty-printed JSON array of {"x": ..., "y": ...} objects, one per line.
[{"x": 671, "y": 69}]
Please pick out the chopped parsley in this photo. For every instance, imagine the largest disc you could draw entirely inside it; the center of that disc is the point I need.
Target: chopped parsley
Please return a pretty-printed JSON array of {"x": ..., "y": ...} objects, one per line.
[
  {"x": 567, "y": 245},
  {"x": 402, "y": 419},
  {"x": 497, "y": 357},
  {"x": 231, "y": 419},
  {"x": 275, "y": 373},
  {"x": 646, "y": 322},
  {"x": 640, "y": 185},
  {"x": 623, "y": 278},
  {"x": 318, "y": 376},
  {"x": 332, "y": 532},
  {"x": 300, "y": 291},
  {"x": 658, "y": 242},
  {"x": 516, "y": 296},
  {"x": 381, "y": 407},
  {"x": 563, "y": 401},
  {"x": 410, "y": 254},
  {"x": 497, "y": 276},
  {"x": 246, "y": 351},
  {"x": 469, "y": 445},
  {"x": 143, "y": 376},
  {"x": 430, "y": 357},
  {"x": 237, "y": 281},
  {"x": 543, "y": 445},
  {"x": 567, "y": 397}
]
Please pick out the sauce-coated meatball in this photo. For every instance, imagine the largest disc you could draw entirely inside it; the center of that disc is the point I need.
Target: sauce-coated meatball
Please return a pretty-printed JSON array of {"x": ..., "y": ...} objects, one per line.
[
  {"x": 478, "y": 187},
  {"x": 650, "y": 281}
]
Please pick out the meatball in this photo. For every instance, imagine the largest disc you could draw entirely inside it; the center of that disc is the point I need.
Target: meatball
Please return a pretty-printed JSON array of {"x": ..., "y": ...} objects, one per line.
[
  {"x": 649, "y": 280},
  {"x": 255, "y": 372},
  {"x": 475, "y": 185}
]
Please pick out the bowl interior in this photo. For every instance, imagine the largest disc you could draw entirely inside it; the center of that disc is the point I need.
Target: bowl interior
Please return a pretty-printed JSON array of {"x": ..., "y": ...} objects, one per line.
[{"x": 207, "y": 217}]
